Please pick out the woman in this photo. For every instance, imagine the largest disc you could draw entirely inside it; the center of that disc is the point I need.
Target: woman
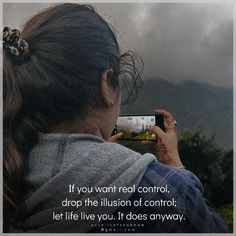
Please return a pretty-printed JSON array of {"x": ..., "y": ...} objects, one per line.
[{"x": 63, "y": 78}]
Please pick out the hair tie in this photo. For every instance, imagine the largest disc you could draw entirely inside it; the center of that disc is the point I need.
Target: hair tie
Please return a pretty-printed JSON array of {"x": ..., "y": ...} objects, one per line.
[{"x": 15, "y": 45}]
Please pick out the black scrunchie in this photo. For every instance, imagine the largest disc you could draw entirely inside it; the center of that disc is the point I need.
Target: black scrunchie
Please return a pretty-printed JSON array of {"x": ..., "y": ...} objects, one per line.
[{"x": 16, "y": 46}]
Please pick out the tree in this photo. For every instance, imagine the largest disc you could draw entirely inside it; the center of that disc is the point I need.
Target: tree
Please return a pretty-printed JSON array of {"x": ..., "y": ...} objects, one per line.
[{"x": 211, "y": 163}]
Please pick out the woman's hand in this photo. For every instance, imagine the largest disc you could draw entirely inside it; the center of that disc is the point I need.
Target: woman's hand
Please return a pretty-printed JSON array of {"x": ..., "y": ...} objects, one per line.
[
  {"x": 167, "y": 142},
  {"x": 115, "y": 137}
]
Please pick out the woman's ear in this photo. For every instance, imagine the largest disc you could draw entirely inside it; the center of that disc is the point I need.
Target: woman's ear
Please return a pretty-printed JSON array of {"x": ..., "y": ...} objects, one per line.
[{"x": 107, "y": 92}]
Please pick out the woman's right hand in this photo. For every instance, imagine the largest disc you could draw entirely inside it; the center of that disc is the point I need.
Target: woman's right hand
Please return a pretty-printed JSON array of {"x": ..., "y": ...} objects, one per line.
[{"x": 167, "y": 142}]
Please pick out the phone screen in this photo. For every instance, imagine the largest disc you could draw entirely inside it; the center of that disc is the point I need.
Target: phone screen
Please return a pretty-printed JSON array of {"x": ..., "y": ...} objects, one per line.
[{"x": 135, "y": 127}]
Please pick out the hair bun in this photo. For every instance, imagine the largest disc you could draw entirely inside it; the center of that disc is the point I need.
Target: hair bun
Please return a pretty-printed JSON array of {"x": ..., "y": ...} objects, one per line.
[{"x": 15, "y": 45}]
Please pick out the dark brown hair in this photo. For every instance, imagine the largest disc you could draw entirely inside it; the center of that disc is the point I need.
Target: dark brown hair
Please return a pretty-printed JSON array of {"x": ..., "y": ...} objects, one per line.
[{"x": 70, "y": 45}]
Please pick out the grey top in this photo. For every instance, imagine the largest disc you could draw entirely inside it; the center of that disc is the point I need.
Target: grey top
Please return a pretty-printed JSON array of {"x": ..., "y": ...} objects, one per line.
[{"x": 60, "y": 160}]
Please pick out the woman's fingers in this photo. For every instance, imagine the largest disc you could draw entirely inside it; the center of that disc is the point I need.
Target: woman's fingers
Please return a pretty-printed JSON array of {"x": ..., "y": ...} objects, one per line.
[
  {"x": 169, "y": 120},
  {"x": 167, "y": 115},
  {"x": 157, "y": 131},
  {"x": 115, "y": 137}
]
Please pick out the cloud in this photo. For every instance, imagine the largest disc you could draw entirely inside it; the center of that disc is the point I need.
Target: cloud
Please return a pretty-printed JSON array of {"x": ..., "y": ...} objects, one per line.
[{"x": 177, "y": 41}]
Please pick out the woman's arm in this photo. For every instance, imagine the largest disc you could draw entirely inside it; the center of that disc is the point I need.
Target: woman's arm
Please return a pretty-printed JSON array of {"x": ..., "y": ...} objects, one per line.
[{"x": 199, "y": 214}]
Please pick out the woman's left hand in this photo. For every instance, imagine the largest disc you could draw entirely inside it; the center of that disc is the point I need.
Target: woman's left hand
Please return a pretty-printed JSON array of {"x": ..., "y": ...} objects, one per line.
[{"x": 115, "y": 137}]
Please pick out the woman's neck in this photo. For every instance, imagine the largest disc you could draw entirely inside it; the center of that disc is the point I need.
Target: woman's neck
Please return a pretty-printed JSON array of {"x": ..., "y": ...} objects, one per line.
[{"x": 89, "y": 126}]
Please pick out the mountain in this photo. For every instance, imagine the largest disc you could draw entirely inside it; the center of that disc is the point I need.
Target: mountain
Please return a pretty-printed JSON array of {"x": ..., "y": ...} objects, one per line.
[{"x": 195, "y": 106}]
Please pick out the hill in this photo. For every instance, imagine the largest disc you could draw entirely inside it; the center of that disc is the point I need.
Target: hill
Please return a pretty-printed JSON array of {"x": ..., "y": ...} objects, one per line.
[{"x": 195, "y": 106}]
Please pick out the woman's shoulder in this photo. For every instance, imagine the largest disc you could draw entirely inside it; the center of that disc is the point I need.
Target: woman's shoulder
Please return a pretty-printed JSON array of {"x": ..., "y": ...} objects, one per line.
[
  {"x": 94, "y": 146},
  {"x": 161, "y": 174}
]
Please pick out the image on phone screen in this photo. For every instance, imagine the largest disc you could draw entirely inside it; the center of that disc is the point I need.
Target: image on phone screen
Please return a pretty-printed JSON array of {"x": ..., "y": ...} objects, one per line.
[{"x": 135, "y": 127}]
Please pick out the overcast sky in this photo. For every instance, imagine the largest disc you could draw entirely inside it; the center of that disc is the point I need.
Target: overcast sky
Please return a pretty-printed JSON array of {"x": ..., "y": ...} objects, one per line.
[{"x": 177, "y": 41}]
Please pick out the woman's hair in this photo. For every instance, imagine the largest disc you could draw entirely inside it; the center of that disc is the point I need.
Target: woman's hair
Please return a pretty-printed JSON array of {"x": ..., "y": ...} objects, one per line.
[{"x": 51, "y": 73}]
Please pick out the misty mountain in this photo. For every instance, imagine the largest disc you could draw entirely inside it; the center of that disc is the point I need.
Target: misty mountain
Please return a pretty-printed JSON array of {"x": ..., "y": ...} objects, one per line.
[{"x": 195, "y": 106}]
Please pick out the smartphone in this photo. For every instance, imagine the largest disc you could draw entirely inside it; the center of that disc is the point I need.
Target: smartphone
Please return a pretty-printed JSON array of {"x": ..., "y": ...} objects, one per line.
[{"x": 135, "y": 127}]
